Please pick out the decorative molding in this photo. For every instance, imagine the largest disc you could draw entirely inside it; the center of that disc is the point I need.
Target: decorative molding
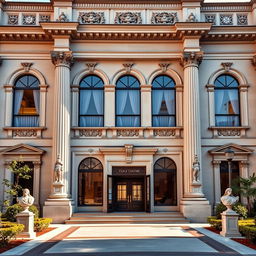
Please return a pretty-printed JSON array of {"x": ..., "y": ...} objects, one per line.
[
  {"x": 62, "y": 58},
  {"x": 91, "y": 66},
  {"x": 128, "y": 66},
  {"x": 128, "y": 18},
  {"x": 13, "y": 19},
  {"x": 242, "y": 19},
  {"x": 221, "y": 132},
  {"x": 164, "y": 66},
  {"x": 128, "y": 152},
  {"x": 254, "y": 60},
  {"x": 165, "y": 132},
  {"x": 226, "y": 19},
  {"x": 227, "y": 65},
  {"x": 24, "y": 132},
  {"x": 164, "y": 18},
  {"x": 191, "y": 18},
  {"x": 90, "y": 133},
  {"x": 191, "y": 58},
  {"x": 91, "y": 18},
  {"x": 44, "y": 18},
  {"x": 27, "y": 7},
  {"x": 217, "y": 7},
  {"x": 29, "y": 19},
  {"x": 26, "y": 66},
  {"x": 210, "y": 18},
  {"x": 128, "y": 132},
  {"x": 62, "y": 18}
]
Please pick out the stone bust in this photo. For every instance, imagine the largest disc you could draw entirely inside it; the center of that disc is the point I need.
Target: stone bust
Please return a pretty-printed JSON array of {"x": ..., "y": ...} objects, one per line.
[
  {"x": 25, "y": 200},
  {"x": 228, "y": 200}
]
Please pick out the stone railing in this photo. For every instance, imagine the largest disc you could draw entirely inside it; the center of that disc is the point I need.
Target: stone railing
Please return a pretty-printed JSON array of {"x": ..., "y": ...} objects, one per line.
[
  {"x": 229, "y": 132},
  {"x": 127, "y": 132}
]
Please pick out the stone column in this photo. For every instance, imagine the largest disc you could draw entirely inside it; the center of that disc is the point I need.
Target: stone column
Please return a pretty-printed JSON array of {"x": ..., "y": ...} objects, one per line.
[
  {"x": 8, "y": 105},
  {"x": 109, "y": 108},
  {"x": 193, "y": 205},
  {"x": 179, "y": 105},
  {"x": 36, "y": 182},
  {"x": 243, "y": 89},
  {"x": 59, "y": 200},
  {"x": 217, "y": 189},
  {"x": 210, "y": 89}
]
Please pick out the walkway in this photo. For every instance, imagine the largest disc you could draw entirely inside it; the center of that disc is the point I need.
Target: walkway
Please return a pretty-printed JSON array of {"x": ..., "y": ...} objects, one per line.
[{"x": 131, "y": 240}]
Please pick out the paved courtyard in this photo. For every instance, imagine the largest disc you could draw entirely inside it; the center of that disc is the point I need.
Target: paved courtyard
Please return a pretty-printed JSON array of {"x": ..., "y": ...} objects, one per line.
[{"x": 122, "y": 240}]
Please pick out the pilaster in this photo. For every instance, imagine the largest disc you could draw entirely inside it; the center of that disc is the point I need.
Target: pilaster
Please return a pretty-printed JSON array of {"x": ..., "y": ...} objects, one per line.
[
  {"x": 8, "y": 103},
  {"x": 146, "y": 109},
  {"x": 109, "y": 108}
]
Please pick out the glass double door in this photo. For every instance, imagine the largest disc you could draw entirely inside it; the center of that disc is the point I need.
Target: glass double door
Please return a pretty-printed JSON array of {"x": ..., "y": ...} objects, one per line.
[{"x": 129, "y": 194}]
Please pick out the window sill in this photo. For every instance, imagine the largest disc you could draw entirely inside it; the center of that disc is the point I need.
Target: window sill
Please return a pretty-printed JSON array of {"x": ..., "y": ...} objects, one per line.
[
  {"x": 24, "y": 132},
  {"x": 127, "y": 132},
  {"x": 229, "y": 132}
]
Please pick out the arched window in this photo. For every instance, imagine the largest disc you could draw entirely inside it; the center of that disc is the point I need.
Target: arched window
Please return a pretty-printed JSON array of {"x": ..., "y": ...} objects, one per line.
[
  {"x": 227, "y": 105},
  {"x": 163, "y": 102},
  {"x": 91, "y": 98},
  {"x": 128, "y": 101},
  {"x": 26, "y": 102},
  {"x": 165, "y": 182},
  {"x": 90, "y": 182}
]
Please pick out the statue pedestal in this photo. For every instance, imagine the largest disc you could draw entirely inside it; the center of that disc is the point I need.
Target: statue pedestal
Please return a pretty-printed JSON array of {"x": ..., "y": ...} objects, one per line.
[
  {"x": 230, "y": 224},
  {"x": 27, "y": 219}
]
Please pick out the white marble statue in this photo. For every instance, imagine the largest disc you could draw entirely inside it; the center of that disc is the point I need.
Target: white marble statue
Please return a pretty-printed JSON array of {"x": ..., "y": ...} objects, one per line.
[
  {"x": 196, "y": 170},
  {"x": 58, "y": 170},
  {"x": 25, "y": 200},
  {"x": 228, "y": 200}
]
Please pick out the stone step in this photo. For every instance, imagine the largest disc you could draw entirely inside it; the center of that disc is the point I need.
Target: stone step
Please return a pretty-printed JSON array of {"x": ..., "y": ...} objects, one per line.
[{"x": 123, "y": 218}]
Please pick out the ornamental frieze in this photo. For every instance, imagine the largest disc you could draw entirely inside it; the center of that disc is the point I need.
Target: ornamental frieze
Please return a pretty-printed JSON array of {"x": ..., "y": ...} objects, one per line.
[
  {"x": 90, "y": 133},
  {"x": 128, "y": 133},
  {"x": 128, "y": 18},
  {"x": 226, "y": 19},
  {"x": 242, "y": 19},
  {"x": 25, "y": 133},
  {"x": 91, "y": 18},
  {"x": 164, "y": 132},
  {"x": 229, "y": 132},
  {"x": 13, "y": 19},
  {"x": 164, "y": 18},
  {"x": 210, "y": 18},
  {"x": 29, "y": 19}
]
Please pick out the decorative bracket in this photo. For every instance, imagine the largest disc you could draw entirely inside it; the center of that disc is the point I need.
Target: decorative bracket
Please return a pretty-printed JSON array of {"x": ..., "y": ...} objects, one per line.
[
  {"x": 91, "y": 66},
  {"x": 227, "y": 65},
  {"x": 128, "y": 152},
  {"x": 164, "y": 66},
  {"x": 26, "y": 66},
  {"x": 128, "y": 66}
]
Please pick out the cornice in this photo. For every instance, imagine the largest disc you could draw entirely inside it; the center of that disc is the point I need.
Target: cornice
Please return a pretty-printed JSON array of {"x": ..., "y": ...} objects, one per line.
[
  {"x": 21, "y": 6},
  {"x": 234, "y": 33},
  {"x": 226, "y": 7}
]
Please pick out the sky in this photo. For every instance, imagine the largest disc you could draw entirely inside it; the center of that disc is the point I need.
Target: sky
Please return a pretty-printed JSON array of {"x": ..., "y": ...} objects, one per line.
[{"x": 206, "y": 1}]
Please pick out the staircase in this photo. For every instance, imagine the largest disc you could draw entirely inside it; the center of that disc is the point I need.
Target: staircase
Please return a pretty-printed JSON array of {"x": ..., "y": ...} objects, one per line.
[{"x": 127, "y": 218}]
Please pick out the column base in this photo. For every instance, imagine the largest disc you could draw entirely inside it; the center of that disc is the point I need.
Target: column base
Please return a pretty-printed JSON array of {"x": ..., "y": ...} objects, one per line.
[
  {"x": 195, "y": 209},
  {"x": 57, "y": 209}
]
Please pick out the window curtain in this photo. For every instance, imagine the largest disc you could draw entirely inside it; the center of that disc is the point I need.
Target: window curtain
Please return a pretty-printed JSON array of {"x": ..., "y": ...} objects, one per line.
[
  {"x": 170, "y": 102},
  {"x": 227, "y": 102},
  {"x": 128, "y": 103},
  {"x": 36, "y": 94},
  {"x": 91, "y": 103},
  {"x": 17, "y": 104},
  {"x": 157, "y": 100}
]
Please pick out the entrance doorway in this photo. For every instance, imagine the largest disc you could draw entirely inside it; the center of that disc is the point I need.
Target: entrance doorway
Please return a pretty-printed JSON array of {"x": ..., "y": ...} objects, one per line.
[
  {"x": 129, "y": 194},
  {"x": 129, "y": 189}
]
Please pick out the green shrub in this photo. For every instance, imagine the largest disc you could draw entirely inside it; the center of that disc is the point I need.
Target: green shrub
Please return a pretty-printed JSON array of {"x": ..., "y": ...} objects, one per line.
[
  {"x": 9, "y": 230},
  {"x": 249, "y": 232},
  {"x": 238, "y": 207},
  {"x": 41, "y": 223},
  {"x": 13, "y": 210}
]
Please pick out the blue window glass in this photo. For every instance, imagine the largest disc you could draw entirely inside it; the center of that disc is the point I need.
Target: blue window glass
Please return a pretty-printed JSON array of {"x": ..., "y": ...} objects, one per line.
[
  {"x": 26, "y": 104},
  {"x": 91, "y": 102},
  {"x": 227, "y": 106},
  {"x": 163, "y": 102},
  {"x": 127, "y": 102}
]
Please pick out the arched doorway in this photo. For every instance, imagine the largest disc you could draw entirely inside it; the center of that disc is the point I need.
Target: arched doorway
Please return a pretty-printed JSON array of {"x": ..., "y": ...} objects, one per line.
[
  {"x": 90, "y": 182},
  {"x": 165, "y": 182}
]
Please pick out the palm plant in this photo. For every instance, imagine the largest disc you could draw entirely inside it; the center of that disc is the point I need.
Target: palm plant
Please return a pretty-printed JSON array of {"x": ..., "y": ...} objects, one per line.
[{"x": 246, "y": 188}]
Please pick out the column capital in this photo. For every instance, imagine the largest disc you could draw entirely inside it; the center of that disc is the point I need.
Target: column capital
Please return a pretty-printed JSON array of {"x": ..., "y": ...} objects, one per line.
[
  {"x": 60, "y": 58},
  {"x": 191, "y": 59}
]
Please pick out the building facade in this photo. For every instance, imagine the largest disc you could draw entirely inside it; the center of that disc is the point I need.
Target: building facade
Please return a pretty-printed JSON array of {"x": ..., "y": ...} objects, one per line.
[{"x": 127, "y": 105}]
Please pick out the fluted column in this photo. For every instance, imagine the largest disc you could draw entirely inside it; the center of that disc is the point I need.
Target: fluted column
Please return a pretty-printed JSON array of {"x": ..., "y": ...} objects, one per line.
[
  {"x": 61, "y": 126},
  {"x": 192, "y": 132}
]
